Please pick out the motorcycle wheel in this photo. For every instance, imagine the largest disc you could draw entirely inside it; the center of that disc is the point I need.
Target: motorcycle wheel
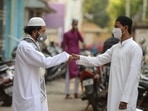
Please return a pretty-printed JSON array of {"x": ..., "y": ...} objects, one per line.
[
  {"x": 142, "y": 102},
  {"x": 5, "y": 98},
  {"x": 55, "y": 72},
  {"x": 92, "y": 100}
]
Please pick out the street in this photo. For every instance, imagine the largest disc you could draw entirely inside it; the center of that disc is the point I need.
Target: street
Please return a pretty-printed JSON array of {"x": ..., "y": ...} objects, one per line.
[{"x": 57, "y": 101}]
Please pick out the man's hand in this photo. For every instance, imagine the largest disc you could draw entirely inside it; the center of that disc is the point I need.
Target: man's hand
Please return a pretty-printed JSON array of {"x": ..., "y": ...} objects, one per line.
[
  {"x": 75, "y": 56},
  {"x": 70, "y": 58},
  {"x": 122, "y": 105}
]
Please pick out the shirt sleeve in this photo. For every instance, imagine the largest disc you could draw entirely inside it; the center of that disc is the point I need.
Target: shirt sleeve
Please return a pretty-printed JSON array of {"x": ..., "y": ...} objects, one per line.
[
  {"x": 95, "y": 61},
  {"x": 36, "y": 58},
  {"x": 65, "y": 42}
]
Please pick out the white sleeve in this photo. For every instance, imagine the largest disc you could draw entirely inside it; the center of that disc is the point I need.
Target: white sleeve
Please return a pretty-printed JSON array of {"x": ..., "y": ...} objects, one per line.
[
  {"x": 95, "y": 61},
  {"x": 34, "y": 57}
]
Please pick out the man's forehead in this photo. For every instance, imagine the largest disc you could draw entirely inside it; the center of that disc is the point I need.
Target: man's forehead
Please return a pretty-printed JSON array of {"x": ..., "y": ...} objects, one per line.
[
  {"x": 75, "y": 22},
  {"x": 117, "y": 24},
  {"x": 43, "y": 27}
]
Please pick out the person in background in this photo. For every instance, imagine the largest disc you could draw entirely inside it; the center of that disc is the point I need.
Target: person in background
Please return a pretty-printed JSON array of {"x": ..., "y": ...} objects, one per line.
[
  {"x": 71, "y": 41},
  {"x": 125, "y": 57},
  {"x": 29, "y": 91},
  {"x": 109, "y": 43},
  {"x": 94, "y": 49}
]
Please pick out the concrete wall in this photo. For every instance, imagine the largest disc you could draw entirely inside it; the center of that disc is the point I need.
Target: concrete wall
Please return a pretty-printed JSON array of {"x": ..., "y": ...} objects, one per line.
[{"x": 73, "y": 11}]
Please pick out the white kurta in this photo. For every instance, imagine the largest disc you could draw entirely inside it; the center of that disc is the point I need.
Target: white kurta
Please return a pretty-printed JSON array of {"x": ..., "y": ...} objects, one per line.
[
  {"x": 27, "y": 94},
  {"x": 125, "y": 61}
]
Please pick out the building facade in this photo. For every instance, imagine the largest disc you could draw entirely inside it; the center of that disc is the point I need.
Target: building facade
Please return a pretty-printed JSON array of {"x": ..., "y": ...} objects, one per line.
[{"x": 16, "y": 14}]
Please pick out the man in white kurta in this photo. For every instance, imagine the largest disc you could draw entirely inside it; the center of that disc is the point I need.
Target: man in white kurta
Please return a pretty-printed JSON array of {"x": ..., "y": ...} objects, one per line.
[
  {"x": 125, "y": 58},
  {"x": 29, "y": 92}
]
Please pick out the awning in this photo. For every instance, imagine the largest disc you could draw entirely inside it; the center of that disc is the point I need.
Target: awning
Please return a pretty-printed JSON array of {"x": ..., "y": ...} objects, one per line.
[{"x": 39, "y": 4}]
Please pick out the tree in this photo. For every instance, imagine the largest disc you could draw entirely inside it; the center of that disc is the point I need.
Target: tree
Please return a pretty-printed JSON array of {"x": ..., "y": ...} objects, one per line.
[
  {"x": 103, "y": 13},
  {"x": 95, "y": 11},
  {"x": 117, "y": 7}
]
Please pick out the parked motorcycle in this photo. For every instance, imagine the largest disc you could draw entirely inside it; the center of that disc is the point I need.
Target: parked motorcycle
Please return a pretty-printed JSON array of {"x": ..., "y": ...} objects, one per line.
[
  {"x": 56, "y": 71},
  {"x": 93, "y": 89},
  {"x": 142, "y": 103},
  {"x": 6, "y": 82},
  {"x": 93, "y": 85}
]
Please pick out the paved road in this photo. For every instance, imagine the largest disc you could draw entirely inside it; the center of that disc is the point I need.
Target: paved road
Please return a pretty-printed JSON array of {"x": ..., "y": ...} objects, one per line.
[{"x": 56, "y": 100}]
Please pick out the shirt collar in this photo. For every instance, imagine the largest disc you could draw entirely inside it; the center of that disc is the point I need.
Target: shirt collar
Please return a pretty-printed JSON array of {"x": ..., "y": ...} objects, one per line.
[
  {"x": 126, "y": 41},
  {"x": 35, "y": 42}
]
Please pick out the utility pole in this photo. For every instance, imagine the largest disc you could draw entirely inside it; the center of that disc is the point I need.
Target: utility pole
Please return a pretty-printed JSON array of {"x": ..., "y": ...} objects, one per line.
[
  {"x": 144, "y": 10},
  {"x": 127, "y": 8}
]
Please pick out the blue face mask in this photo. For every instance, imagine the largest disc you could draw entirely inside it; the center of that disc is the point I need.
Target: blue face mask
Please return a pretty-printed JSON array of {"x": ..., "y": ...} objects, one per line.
[{"x": 41, "y": 38}]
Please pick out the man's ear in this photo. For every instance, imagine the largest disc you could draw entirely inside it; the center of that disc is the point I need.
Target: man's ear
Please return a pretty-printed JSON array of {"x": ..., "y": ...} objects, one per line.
[
  {"x": 126, "y": 27},
  {"x": 34, "y": 33}
]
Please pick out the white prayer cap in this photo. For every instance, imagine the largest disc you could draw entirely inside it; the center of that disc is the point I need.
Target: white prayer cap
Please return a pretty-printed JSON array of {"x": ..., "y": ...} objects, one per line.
[{"x": 36, "y": 21}]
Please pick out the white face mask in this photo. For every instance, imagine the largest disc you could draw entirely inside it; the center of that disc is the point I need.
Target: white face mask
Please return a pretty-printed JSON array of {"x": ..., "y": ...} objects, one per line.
[
  {"x": 41, "y": 38},
  {"x": 117, "y": 33}
]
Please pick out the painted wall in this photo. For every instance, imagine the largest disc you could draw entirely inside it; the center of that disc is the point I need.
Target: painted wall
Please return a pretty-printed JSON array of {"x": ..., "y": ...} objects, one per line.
[
  {"x": 1, "y": 27},
  {"x": 56, "y": 20},
  {"x": 72, "y": 10},
  {"x": 13, "y": 24}
]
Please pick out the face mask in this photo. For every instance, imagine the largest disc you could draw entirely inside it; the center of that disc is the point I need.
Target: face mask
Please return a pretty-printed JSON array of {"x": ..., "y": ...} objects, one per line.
[
  {"x": 117, "y": 33},
  {"x": 41, "y": 38}
]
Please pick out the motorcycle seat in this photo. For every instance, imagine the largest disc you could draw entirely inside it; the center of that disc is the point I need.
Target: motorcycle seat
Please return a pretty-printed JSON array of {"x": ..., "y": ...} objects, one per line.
[
  {"x": 144, "y": 83},
  {"x": 3, "y": 67}
]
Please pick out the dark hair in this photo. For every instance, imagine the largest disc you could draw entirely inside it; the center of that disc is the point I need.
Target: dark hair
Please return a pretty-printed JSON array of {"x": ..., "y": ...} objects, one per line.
[
  {"x": 124, "y": 20},
  {"x": 74, "y": 21},
  {"x": 30, "y": 29}
]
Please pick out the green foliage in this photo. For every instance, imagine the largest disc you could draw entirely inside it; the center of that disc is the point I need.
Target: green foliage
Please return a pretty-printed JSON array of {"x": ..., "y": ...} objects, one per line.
[
  {"x": 95, "y": 11},
  {"x": 136, "y": 7},
  {"x": 117, "y": 7},
  {"x": 103, "y": 13},
  {"x": 114, "y": 9}
]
